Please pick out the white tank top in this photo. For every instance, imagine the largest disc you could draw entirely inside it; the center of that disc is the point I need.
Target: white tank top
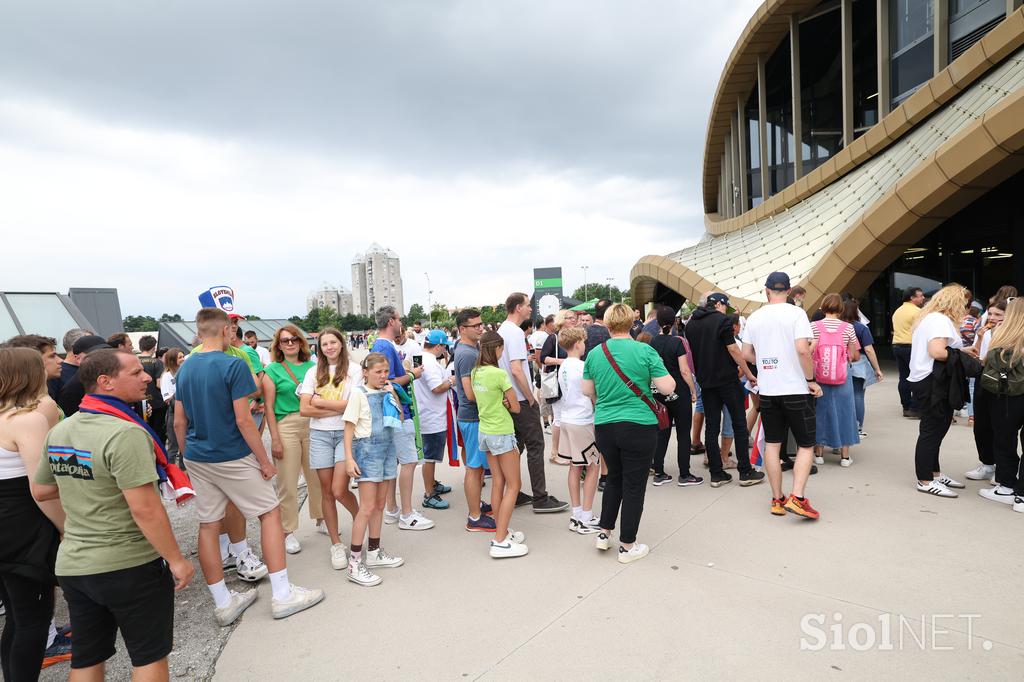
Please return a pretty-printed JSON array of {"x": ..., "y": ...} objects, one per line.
[{"x": 11, "y": 465}]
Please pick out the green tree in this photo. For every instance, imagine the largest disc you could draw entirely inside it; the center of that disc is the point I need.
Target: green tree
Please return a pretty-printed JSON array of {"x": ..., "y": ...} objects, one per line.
[
  {"x": 356, "y": 323},
  {"x": 298, "y": 321},
  {"x": 439, "y": 316},
  {"x": 140, "y": 323},
  {"x": 595, "y": 290},
  {"x": 318, "y": 318},
  {"x": 170, "y": 318},
  {"x": 416, "y": 313}
]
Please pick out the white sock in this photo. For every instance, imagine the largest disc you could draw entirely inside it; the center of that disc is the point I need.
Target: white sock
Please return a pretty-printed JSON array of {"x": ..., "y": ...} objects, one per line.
[
  {"x": 576, "y": 512},
  {"x": 280, "y": 585},
  {"x": 221, "y": 595},
  {"x": 586, "y": 516},
  {"x": 239, "y": 548},
  {"x": 474, "y": 518},
  {"x": 224, "y": 542},
  {"x": 53, "y": 634}
]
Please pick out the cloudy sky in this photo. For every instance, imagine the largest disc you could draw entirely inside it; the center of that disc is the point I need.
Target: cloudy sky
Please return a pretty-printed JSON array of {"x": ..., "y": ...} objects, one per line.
[{"x": 162, "y": 148}]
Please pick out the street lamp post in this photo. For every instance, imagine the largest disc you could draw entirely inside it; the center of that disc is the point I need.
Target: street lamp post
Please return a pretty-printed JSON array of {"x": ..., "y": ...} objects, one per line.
[
  {"x": 610, "y": 280},
  {"x": 430, "y": 307},
  {"x": 585, "y": 268}
]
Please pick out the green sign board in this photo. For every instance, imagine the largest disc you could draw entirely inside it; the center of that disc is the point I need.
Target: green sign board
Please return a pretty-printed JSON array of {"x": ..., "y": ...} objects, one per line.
[{"x": 548, "y": 283}]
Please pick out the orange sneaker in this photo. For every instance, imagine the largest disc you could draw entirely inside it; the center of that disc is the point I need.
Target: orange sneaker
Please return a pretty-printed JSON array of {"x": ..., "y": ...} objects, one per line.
[
  {"x": 801, "y": 508},
  {"x": 779, "y": 506}
]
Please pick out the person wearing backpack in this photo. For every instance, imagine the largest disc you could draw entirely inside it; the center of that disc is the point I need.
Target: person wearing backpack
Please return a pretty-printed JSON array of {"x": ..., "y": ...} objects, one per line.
[
  {"x": 833, "y": 348},
  {"x": 1002, "y": 380}
]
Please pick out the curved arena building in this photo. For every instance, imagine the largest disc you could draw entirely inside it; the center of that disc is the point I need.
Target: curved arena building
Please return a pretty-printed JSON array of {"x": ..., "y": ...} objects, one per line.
[{"x": 862, "y": 146}]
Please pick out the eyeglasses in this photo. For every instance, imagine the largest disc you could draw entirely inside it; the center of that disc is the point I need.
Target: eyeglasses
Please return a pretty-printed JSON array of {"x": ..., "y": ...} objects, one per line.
[
  {"x": 288, "y": 340},
  {"x": 474, "y": 326}
]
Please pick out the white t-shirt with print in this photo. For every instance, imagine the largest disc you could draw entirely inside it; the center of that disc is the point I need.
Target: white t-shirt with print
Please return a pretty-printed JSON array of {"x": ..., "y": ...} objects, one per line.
[
  {"x": 773, "y": 331},
  {"x": 515, "y": 349},
  {"x": 410, "y": 349},
  {"x": 353, "y": 379},
  {"x": 574, "y": 407},
  {"x": 932, "y": 326},
  {"x": 432, "y": 406},
  {"x": 537, "y": 339},
  {"x": 167, "y": 386}
]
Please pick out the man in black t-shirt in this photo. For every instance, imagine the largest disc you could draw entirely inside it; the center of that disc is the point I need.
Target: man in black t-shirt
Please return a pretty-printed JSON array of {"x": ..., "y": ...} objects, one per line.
[{"x": 154, "y": 367}]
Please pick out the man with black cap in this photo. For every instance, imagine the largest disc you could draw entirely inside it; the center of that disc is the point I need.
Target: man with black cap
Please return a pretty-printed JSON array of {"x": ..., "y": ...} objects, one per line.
[
  {"x": 72, "y": 392},
  {"x": 718, "y": 363},
  {"x": 777, "y": 339}
]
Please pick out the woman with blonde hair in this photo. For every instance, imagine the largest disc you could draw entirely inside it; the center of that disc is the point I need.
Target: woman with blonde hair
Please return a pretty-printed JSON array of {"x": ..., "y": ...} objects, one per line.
[
  {"x": 551, "y": 357},
  {"x": 29, "y": 531},
  {"x": 289, "y": 430},
  {"x": 936, "y": 330},
  {"x": 1004, "y": 371}
]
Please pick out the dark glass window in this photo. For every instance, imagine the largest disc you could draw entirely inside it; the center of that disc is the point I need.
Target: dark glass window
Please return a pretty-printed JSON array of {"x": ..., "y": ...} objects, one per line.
[
  {"x": 865, "y": 66},
  {"x": 779, "y": 119},
  {"x": 911, "y": 32},
  {"x": 753, "y": 160},
  {"x": 821, "y": 82}
]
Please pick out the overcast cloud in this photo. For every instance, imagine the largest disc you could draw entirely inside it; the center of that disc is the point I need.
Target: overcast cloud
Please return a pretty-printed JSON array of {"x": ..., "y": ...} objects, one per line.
[{"x": 165, "y": 147}]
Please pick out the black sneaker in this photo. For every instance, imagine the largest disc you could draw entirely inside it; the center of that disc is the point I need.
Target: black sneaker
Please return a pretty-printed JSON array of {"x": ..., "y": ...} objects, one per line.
[
  {"x": 688, "y": 480},
  {"x": 522, "y": 499},
  {"x": 600, "y": 483},
  {"x": 720, "y": 478},
  {"x": 787, "y": 464},
  {"x": 814, "y": 469},
  {"x": 549, "y": 505},
  {"x": 752, "y": 477},
  {"x": 661, "y": 479}
]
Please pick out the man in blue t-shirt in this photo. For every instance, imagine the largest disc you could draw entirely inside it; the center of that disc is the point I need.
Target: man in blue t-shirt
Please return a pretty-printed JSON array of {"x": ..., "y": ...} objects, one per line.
[
  {"x": 389, "y": 333},
  {"x": 228, "y": 464}
]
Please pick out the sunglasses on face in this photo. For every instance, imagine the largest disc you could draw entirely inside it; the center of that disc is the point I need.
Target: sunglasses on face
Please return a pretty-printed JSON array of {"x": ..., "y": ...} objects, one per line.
[{"x": 288, "y": 340}]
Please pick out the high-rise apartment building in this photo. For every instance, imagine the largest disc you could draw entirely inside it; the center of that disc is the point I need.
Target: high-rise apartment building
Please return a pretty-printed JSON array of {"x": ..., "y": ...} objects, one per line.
[
  {"x": 337, "y": 298},
  {"x": 376, "y": 281}
]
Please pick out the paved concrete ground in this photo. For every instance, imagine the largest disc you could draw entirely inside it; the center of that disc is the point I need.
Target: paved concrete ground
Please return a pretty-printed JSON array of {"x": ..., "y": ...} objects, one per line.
[{"x": 723, "y": 591}]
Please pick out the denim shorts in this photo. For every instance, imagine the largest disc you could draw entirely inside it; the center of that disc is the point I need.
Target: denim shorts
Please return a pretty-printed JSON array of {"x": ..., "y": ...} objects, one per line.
[
  {"x": 375, "y": 458},
  {"x": 497, "y": 445},
  {"x": 405, "y": 442},
  {"x": 326, "y": 448},
  {"x": 433, "y": 445},
  {"x": 472, "y": 456}
]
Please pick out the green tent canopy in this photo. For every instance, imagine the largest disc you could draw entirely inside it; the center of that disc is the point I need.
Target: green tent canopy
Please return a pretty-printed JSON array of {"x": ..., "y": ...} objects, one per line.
[{"x": 586, "y": 306}]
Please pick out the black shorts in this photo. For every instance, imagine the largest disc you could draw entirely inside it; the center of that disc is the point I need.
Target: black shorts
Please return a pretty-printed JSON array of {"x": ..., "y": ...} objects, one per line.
[
  {"x": 139, "y": 601},
  {"x": 795, "y": 412}
]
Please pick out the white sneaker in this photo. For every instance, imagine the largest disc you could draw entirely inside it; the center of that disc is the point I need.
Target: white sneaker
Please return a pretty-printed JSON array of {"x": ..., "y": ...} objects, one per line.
[
  {"x": 391, "y": 517},
  {"x": 339, "y": 557},
  {"x": 378, "y": 558},
  {"x": 250, "y": 568},
  {"x": 582, "y": 528},
  {"x": 360, "y": 574},
  {"x": 998, "y": 494},
  {"x": 508, "y": 549},
  {"x": 240, "y": 601},
  {"x": 980, "y": 472},
  {"x": 415, "y": 521},
  {"x": 935, "y": 488},
  {"x": 228, "y": 563},
  {"x": 819, "y": 460},
  {"x": 1018, "y": 504},
  {"x": 301, "y": 599},
  {"x": 291, "y": 544},
  {"x": 639, "y": 551},
  {"x": 516, "y": 536},
  {"x": 602, "y": 542},
  {"x": 950, "y": 482},
  {"x": 846, "y": 461}
]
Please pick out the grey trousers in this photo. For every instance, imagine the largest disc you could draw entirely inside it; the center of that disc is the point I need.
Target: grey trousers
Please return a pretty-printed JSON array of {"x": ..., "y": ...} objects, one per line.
[{"x": 530, "y": 441}]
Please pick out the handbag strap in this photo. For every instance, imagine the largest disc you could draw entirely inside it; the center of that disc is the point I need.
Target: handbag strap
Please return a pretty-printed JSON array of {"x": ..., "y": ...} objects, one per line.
[
  {"x": 288, "y": 369},
  {"x": 629, "y": 382}
]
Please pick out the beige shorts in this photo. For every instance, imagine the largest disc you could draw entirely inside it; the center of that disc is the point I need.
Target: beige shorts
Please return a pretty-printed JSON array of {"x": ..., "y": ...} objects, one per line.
[
  {"x": 238, "y": 481},
  {"x": 576, "y": 444}
]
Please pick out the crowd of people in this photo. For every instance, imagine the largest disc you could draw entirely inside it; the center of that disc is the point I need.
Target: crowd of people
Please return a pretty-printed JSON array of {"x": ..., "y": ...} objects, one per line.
[{"x": 90, "y": 442}]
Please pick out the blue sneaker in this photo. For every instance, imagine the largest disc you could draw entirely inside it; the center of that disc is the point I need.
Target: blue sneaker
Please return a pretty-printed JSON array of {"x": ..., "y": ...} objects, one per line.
[
  {"x": 58, "y": 652},
  {"x": 441, "y": 488},
  {"x": 486, "y": 509},
  {"x": 485, "y": 524},
  {"x": 434, "y": 502}
]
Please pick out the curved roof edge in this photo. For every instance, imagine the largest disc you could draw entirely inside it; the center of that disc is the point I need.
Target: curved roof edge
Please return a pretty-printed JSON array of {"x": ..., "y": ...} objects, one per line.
[{"x": 990, "y": 51}]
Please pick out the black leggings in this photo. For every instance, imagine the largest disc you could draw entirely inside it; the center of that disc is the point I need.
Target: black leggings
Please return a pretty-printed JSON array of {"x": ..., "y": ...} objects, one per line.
[
  {"x": 935, "y": 422},
  {"x": 679, "y": 414},
  {"x": 628, "y": 449},
  {"x": 1007, "y": 420},
  {"x": 29, "y": 607}
]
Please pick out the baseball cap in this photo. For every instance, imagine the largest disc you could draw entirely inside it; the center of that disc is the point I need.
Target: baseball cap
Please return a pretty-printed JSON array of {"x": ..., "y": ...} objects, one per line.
[
  {"x": 436, "y": 337},
  {"x": 777, "y": 281},
  {"x": 717, "y": 298},
  {"x": 89, "y": 343},
  {"x": 235, "y": 316}
]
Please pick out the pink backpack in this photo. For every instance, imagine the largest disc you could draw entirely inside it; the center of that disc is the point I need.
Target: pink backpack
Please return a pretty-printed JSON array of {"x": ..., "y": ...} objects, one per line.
[{"x": 830, "y": 356}]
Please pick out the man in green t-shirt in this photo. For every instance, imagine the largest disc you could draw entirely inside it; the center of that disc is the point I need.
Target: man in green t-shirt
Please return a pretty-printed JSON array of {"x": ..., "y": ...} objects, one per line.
[{"x": 119, "y": 563}]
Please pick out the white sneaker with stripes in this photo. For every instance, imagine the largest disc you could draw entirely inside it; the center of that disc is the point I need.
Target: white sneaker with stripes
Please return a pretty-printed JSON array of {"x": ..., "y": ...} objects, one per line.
[{"x": 935, "y": 488}]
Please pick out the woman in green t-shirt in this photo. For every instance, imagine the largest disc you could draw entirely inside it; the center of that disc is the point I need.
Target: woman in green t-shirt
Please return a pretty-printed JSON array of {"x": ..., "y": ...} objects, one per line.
[
  {"x": 289, "y": 431},
  {"x": 495, "y": 399},
  {"x": 625, "y": 427}
]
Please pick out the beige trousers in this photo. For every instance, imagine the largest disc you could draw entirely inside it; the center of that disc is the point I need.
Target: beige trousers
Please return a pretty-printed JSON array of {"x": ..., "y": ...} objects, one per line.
[{"x": 294, "y": 433}]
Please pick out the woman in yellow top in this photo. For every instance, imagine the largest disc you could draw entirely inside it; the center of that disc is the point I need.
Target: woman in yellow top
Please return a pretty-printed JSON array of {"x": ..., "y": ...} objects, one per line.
[{"x": 289, "y": 430}]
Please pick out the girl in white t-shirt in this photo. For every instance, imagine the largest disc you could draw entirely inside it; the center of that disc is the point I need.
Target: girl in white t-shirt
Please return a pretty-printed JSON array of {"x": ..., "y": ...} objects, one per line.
[
  {"x": 323, "y": 396},
  {"x": 576, "y": 445},
  {"x": 936, "y": 329}
]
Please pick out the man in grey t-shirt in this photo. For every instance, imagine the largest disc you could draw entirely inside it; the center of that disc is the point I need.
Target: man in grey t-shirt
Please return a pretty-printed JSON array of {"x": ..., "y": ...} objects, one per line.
[{"x": 470, "y": 330}]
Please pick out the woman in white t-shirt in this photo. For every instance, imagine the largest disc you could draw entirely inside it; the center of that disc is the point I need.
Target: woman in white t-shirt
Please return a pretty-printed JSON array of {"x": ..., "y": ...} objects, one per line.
[
  {"x": 172, "y": 361},
  {"x": 937, "y": 328},
  {"x": 323, "y": 396}
]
